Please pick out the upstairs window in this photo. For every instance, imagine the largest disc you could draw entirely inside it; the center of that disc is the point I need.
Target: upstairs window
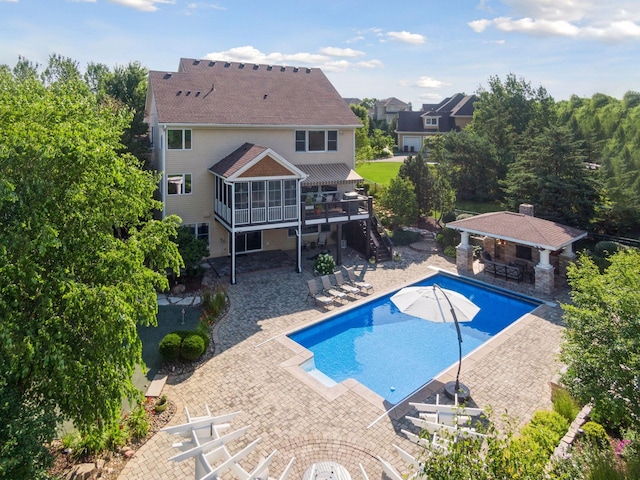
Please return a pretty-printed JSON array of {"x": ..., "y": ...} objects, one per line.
[
  {"x": 316, "y": 140},
  {"x": 179, "y": 184},
  {"x": 179, "y": 139},
  {"x": 431, "y": 121}
]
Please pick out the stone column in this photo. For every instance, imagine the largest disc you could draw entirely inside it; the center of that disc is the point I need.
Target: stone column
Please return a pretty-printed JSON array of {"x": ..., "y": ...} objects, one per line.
[
  {"x": 464, "y": 254},
  {"x": 545, "y": 281}
]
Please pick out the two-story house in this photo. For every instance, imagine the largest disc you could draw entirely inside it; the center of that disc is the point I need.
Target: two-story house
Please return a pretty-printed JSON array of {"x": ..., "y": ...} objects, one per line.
[
  {"x": 388, "y": 109},
  {"x": 256, "y": 157},
  {"x": 450, "y": 115}
]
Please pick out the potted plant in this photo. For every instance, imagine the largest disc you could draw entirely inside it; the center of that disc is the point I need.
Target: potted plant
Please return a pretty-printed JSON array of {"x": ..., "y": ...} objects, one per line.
[
  {"x": 161, "y": 404},
  {"x": 308, "y": 202},
  {"x": 319, "y": 208}
]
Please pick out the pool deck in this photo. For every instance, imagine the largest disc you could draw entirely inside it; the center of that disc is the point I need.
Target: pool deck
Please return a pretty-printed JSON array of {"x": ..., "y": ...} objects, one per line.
[{"x": 253, "y": 372}]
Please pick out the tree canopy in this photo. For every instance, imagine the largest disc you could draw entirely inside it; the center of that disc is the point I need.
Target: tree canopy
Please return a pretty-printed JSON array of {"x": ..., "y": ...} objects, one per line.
[
  {"x": 602, "y": 339},
  {"x": 80, "y": 261}
]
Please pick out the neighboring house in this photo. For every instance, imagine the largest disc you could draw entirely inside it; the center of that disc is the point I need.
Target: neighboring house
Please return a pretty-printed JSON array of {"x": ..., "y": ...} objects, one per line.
[
  {"x": 451, "y": 115},
  {"x": 352, "y": 101},
  {"x": 256, "y": 157},
  {"x": 389, "y": 109}
]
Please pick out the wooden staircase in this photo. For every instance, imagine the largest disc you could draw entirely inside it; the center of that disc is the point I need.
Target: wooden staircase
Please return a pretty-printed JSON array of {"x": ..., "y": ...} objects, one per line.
[{"x": 378, "y": 245}]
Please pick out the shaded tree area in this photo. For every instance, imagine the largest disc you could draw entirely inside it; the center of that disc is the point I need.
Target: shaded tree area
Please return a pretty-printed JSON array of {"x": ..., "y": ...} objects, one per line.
[
  {"x": 71, "y": 291},
  {"x": 610, "y": 129},
  {"x": 125, "y": 87}
]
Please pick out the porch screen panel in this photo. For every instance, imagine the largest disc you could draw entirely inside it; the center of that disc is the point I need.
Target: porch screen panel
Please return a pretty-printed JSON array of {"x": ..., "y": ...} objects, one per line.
[
  {"x": 241, "y": 204},
  {"x": 275, "y": 200},
  {"x": 258, "y": 203},
  {"x": 290, "y": 200}
]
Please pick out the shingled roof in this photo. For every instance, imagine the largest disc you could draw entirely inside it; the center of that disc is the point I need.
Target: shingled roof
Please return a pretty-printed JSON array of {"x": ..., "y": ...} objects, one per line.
[
  {"x": 229, "y": 93},
  {"x": 520, "y": 228}
]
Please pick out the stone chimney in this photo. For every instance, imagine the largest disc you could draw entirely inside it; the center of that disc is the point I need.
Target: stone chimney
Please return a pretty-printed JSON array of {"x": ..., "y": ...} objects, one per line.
[{"x": 526, "y": 209}]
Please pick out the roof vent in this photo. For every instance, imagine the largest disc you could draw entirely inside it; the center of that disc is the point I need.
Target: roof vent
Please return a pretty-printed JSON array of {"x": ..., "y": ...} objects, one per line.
[
  {"x": 212, "y": 63},
  {"x": 241, "y": 65},
  {"x": 188, "y": 93},
  {"x": 269, "y": 68},
  {"x": 227, "y": 65},
  {"x": 179, "y": 93},
  {"x": 282, "y": 69},
  {"x": 167, "y": 75},
  {"x": 256, "y": 67},
  {"x": 264, "y": 97},
  {"x": 196, "y": 62},
  {"x": 308, "y": 70},
  {"x": 295, "y": 69},
  {"x": 197, "y": 94}
]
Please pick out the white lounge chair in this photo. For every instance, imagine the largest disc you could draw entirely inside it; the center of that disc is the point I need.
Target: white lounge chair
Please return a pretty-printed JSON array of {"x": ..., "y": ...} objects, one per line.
[
  {"x": 364, "y": 286},
  {"x": 349, "y": 289},
  {"x": 328, "y": 288},
  {"x": 315, "y": 294}
]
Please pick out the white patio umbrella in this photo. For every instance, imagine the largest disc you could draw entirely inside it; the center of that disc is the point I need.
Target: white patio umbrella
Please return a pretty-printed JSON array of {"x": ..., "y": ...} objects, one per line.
[{"x": 437, "y": 304}]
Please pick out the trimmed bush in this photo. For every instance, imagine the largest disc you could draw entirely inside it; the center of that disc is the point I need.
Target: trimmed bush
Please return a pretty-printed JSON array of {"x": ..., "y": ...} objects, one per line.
[
  {"x": 595, "y": 434},
  {"x": 450, "y": 252},
  {"x": 192, "y": 347},
  {"x": 170, "y": 346},
  {"x": 448, "y": 237},
  {"x": 449, "y": 217},
  {"x": 605, "y": 248},
  {"x": 553, "y": 421}
]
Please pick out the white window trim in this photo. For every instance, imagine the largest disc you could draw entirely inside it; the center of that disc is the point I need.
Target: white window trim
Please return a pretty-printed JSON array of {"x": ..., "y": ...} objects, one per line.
[
  {"x": 195, "y": 229},
  {"x": 183, "y": 130},
  {"x": 306, "y": 140},
  {"x": 184, "y": 182}
]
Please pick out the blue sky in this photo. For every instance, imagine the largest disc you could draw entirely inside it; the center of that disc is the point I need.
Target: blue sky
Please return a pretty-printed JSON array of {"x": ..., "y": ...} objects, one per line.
[{"x": 419, "y": 51}]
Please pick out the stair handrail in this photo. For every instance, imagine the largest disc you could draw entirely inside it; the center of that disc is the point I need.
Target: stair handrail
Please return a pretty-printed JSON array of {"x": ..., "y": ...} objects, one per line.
[{"x": 381, "y": 233}]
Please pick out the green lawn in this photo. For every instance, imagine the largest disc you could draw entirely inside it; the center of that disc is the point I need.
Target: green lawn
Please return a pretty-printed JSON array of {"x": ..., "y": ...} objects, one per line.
[{"x": 379, "y": 172}]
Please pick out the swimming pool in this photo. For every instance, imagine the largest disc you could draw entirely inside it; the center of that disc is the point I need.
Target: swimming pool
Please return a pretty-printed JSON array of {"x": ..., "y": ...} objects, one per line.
[{"x": 394, "y": 354}]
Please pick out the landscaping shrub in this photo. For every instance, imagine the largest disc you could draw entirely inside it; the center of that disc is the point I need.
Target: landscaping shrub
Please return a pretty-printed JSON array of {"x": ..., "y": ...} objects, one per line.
[
  {"x": 553, "y": 421},
  {"x": 605, "y": 248},
  {"x": 595, "y": 433},
  {"x": 449, "y": 217},
  {"x": 202, "y": 329},
  {"x": 564, "y": 404},
  {"x": 448, "y": 237},
  {"x": 137, "y": 423},
  {"x": 404, "y": 237},
  {"x": 192, "y": 347},
  {"x": 170, "y": 346},
  {"x": 324, "y": 264},
  {"x": 213, "y": 303},
  {"x": 450, "y": 252}
]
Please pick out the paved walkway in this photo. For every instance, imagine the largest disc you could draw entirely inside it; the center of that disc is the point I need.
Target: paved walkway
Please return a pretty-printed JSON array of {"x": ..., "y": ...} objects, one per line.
[{"x": 251, "y": 372}]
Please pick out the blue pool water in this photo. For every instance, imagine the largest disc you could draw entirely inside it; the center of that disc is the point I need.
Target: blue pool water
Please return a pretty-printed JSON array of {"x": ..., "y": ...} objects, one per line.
[{"x": 394, "y": 354}]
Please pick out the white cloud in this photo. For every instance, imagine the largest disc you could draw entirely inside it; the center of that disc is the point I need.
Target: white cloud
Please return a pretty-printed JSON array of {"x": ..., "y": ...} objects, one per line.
[
  {"x": 430, "y": 82},
  {"x": 614, "y": 20},
  {"x": 251, "y": 54},
  {"x": 479, "y": 26},
  {"x": 537, "y": 27},
  {"x": 370, "y": 64},
  {"x": 193, "y": 6},
  {"x": 335, "y": 66},
  {"x": 355, "y": 39},
  {"x": 431, "y": 97},
  {"x": 341, "y": 52},
  {"x": 142, "y": 5},
  {"x": 407, "y": 37},
  {"x": 9, "y": 1}
]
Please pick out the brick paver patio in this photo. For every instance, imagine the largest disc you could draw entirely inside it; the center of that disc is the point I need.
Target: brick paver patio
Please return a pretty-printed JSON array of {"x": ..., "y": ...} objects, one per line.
[{"x": 249, "y": 374}]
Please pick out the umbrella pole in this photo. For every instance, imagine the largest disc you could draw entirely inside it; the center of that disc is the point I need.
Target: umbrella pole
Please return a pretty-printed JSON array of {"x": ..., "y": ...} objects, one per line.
[{"x": 461, "y": 391}]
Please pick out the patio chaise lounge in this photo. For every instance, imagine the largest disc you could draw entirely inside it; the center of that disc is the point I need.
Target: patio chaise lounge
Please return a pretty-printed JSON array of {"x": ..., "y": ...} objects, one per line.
[
  {"x": 315, "y": 294},
  {"x": 328, "y": 288},
  {"x": 345, "y": 287},
  {"x": 364, "y": 286}
]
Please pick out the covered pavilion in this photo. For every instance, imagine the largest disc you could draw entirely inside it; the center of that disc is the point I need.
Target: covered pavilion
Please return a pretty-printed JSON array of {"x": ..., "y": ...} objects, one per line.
[{"x": 520, "y": 240}]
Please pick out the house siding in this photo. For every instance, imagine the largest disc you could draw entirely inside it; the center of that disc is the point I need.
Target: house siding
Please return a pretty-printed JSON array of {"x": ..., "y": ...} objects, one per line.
[{"x": 210, "y": 145}]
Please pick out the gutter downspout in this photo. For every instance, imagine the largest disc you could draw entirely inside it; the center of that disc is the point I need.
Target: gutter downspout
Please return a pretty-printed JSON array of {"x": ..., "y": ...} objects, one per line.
[{"x": 163, "y": 187}]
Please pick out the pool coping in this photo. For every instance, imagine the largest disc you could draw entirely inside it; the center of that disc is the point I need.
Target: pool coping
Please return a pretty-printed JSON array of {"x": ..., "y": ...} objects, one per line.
[{"x": 294, "y": 365}]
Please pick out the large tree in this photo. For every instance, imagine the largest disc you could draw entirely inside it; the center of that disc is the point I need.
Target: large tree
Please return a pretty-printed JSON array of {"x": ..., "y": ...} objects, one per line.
[
  {"x": 550, "y": 174},
  {"x": 416, "y": 170},
  {"x": 602, "y": 339},
  {"x": 71, "y": 290}
]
